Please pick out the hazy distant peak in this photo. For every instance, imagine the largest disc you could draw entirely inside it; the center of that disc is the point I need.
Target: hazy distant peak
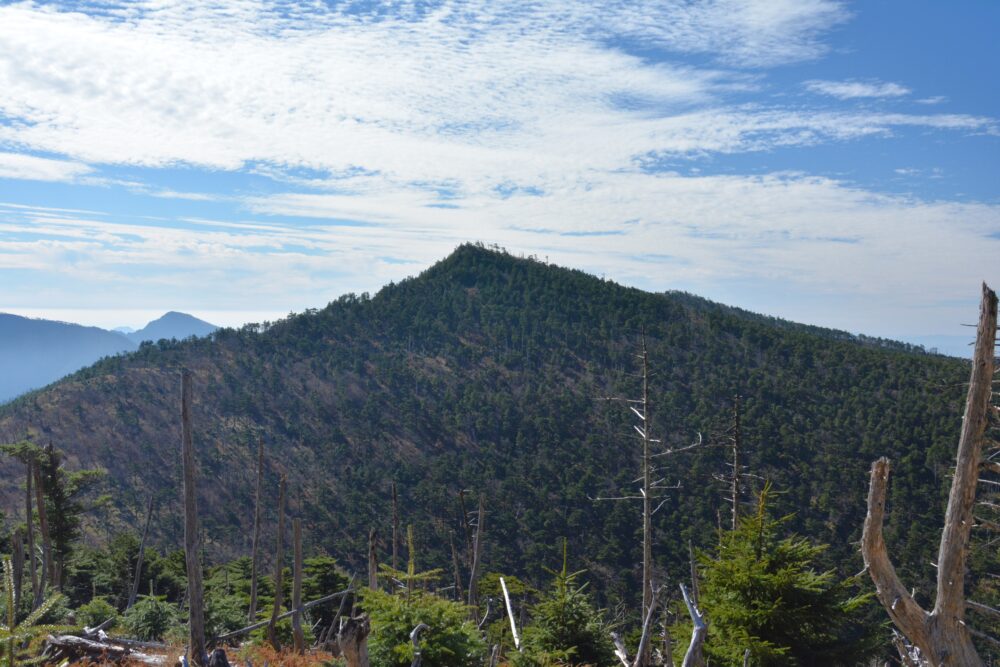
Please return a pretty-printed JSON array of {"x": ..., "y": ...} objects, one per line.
[{"x": 172, "y": 324}]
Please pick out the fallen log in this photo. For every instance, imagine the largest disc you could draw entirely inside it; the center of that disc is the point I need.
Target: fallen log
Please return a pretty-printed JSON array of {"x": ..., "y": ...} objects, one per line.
[
  {"x": 74, "y": 648},
  {"x": 261, "y": 624}
]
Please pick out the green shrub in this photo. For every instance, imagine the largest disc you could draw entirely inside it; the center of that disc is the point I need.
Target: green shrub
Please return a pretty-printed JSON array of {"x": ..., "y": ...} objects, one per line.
[
  {"x": 96, "y": 612},
  {"x": 150, "y": 618},
  {"x": 451, "y": 641}
]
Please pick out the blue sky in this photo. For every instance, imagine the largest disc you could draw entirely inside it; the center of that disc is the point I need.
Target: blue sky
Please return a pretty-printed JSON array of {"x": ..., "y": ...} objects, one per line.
[{"x": 828, "y": 162}]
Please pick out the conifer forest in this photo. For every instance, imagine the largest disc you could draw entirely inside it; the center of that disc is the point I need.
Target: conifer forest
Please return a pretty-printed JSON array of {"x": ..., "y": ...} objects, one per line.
[{"x": 505, "y": 462}]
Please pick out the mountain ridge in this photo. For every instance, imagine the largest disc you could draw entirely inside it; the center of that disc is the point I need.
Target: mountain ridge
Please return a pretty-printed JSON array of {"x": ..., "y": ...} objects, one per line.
[
  {"x": 485, "y": 373},
  {"x": 35, "y": 352}
]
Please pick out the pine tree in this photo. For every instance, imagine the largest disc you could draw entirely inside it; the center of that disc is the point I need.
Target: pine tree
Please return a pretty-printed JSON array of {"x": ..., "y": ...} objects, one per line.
[
  {"x": 566, "y": 629},
  {"x": 762, "y": 592}
]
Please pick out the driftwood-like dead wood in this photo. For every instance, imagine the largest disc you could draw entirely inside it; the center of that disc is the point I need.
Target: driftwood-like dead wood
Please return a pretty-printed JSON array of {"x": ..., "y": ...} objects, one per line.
[
  {"x": 415, "y": 639},
  {"x": 192, "y": 538},
  {"x": 72, "y": 648},
  {"x": 620, "y": 651},
  {"x": 138, "y": 561},
  {"x": 694, "y": 657},
  {"x": 940, "y": 635},
  {"x": 353, "y": 641},
  {"x": 297, "y": 636},
  {"x": 255, "y": 548},
  {"x": 643, "y": 651},
  {"x": 510, "y": 615},
  {"x": 279, "y": 561}
]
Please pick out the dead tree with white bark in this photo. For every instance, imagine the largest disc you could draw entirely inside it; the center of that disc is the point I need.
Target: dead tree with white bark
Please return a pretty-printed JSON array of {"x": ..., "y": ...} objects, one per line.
[
  {"x": 652, "y": 486},
  {"x": 940, "y": 637}
]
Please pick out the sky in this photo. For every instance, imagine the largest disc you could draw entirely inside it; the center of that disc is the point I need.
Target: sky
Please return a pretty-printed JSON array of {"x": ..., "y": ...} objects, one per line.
[{"x": 827, "y": 162}]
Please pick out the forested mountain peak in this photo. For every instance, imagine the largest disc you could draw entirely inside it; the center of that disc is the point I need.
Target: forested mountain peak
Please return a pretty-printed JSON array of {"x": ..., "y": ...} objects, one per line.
[{"x": 490, "y": 373}]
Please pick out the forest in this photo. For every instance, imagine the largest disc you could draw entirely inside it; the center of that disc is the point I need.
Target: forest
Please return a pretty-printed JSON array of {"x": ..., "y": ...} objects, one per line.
[{"x": 527, "y": 460}]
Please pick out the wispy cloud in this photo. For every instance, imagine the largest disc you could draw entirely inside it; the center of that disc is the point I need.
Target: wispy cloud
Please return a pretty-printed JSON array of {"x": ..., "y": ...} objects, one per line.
[
  {"x": 849, "y": 90},
  {"x": 30, "y": 167}
]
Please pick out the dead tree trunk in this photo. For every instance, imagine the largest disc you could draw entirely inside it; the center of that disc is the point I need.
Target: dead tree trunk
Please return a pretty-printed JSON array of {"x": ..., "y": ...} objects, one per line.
[
  {"x": 279, "y": 557},
  {"x": 17, "y": 563},
  {"x": 36, "y": 595},
  {"x": 192, "y": 541},
  {"x": 372, "y": 560},
  {"x": 138, "y": 560},
  {"x": 645, "y": 656},
  {"x": 395, "y": 529},
  {"x": 255, "y": 549},
  {"x": 297, "y": 636},
  {"x": 353, "y": 641},
  {"x": 43, "y": 528},
  {"x": 737, "y": 439},
  {"x": 454, "y": 564},
  {"x": 465, "y": 526},
  {"x": 941, "y": 635},
  {"x": 693, "y": 657},
  {"x": 477, "y": 548}
]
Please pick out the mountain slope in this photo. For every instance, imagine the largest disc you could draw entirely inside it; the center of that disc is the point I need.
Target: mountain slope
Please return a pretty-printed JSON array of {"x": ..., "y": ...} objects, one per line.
[
  {"x": 172, "y": 325},
  {"x": 34, "y": 353},
  {"x": 487, "y": 373}
]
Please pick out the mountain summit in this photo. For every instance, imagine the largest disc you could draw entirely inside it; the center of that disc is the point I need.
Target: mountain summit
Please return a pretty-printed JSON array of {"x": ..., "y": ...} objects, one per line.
[
  {"x": 172, "y": 325},
  {"x": 491, "y": 374}
]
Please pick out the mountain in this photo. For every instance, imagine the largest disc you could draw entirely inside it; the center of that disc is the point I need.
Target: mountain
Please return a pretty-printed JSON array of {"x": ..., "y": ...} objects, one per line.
[
  {"x": 34, "y": 353},
  {"x": 490, "y": 374},
  {"x": 172, "y": 325}
]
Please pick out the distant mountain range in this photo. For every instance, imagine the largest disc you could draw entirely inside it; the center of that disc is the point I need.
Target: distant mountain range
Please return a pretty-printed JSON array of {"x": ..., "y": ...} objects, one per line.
[{"x": 34, "y": 353}]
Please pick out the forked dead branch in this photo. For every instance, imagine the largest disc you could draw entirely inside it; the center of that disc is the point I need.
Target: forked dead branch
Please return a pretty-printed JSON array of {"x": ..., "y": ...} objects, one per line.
[{"x": 940, "y": 637}]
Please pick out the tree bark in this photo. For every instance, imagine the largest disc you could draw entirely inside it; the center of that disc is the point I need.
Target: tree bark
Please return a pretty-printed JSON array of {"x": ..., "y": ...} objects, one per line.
[
  {"x": 298, "y": 637},
  {"x": 279, "y": 558},
  {"x": 353, "y": 641},
  {"x": 255, "y": 549},
  {"x": 192, "y": 540},
  {"x": 941, "y": 636}
]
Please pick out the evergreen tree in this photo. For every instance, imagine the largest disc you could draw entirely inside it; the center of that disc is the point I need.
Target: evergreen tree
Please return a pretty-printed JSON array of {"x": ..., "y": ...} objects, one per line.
[
  {"x": 761, "y": 591},
  {"x": 566, "y": 629}
]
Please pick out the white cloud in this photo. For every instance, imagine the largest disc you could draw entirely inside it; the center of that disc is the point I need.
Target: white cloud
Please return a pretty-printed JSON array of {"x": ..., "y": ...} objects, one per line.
[
  {"x": 32, "y": 168},
  {"x": 780, "y": 232},
  {"x": 848, "y": 90}
]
